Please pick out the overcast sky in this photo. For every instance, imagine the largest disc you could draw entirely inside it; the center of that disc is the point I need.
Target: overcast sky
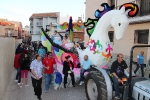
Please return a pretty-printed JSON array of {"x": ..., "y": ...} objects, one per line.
[{"x": 21, "y": 10}]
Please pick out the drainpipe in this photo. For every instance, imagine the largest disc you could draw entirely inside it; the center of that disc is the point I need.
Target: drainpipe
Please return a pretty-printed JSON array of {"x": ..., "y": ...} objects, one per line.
[{"x": 116, "y": 4}]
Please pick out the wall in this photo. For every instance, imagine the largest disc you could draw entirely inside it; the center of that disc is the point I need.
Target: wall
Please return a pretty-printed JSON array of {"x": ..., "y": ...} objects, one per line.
[
  {"x": 124, "y": 45},
  {"x": 7, "y": 53}
]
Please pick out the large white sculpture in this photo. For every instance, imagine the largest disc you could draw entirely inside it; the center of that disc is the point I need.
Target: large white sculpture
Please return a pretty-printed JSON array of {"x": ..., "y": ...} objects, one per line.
[{"x": 99, "y": 48}]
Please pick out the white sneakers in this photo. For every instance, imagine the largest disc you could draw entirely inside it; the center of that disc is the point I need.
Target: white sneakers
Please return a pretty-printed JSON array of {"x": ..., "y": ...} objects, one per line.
[
  {"x": 26, "y": 85},
  {"x": 81, "y": 83},
  {"x": 19, "y": 83},
  {"x": 16, "y": 80},
  {"x": 117, "y": 98}
]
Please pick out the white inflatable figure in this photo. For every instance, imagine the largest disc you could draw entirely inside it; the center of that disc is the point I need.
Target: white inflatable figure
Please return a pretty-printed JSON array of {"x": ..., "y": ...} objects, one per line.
[{"x": 99, "y": 48}]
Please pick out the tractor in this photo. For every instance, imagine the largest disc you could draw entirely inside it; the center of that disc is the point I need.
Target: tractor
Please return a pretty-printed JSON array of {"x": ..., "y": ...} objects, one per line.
[{"x": 99, "y": 85}]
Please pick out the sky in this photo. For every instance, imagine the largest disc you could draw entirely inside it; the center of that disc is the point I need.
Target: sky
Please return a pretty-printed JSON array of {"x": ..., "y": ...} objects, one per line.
[{"x": 21, "y": 10}]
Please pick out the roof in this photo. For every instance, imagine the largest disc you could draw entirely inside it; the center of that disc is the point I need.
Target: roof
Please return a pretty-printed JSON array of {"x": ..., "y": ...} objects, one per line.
[
  {"x": 4, "y": 23},
  {"x": 43, "y": 15}
]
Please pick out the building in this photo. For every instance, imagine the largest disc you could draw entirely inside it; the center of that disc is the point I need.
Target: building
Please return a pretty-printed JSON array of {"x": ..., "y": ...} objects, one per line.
[
  {"x": 10, "y": 29},
  {"x": 26, "y": 31},
  {"x": 40, "y": 20},
  {"x": 77, "y": 35},
  {"x": 18, "y": 25},
  {"x": 137, "y": 32}
]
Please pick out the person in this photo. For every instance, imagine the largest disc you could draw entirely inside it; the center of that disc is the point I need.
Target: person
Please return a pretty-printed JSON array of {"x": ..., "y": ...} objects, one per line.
[
  {"x": 56, "y": 38},
  {"x": 36, "y": 76},
  {"x": 64, "y": 41},
  {"x": 42, "y": 52},
  {"x": 85, "y": 66},
  {"x": 140, "y": 63},
  {"x": 117, "y": 71},
  {"x": 54, "y": 35},
  {"x": 19, "y": 48},
  {"x": 17, "y": 67},
  {"x": 23, "y": 60},
  {"x": 49, "y": 64},
  {"x": 67, "y": 70},
  {"x": 49, "y": 30}
]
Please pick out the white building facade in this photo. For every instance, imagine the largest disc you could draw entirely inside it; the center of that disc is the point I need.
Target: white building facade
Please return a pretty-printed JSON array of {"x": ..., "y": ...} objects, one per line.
[{"x": 40, "y": 20}]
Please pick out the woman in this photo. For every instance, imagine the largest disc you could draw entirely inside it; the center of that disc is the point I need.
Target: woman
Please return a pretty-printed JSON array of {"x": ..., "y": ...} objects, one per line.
[
  {"x": 23, "y": 61},
  {"x": 36, "y": 76},
  {"x": 64, "y": 41},
  {"x": 66, "y": 70}
]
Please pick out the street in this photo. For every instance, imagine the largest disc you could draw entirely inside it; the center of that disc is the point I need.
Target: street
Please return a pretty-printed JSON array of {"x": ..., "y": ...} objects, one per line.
[{"x": 14, "y": 92}]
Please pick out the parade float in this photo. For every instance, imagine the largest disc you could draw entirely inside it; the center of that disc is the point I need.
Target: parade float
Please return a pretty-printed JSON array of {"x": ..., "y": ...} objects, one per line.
[{"x": 99, "y": 85}]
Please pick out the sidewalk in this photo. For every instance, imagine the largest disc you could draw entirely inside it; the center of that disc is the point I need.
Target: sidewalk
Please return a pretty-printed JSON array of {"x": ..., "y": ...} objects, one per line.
[{"x": 14, "y": 92}]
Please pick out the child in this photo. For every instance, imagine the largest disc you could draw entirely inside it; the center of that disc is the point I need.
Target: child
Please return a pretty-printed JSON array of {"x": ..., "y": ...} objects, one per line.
[
  {"x": 58, "y": 80},
  {"x": 23, "y": 60}
]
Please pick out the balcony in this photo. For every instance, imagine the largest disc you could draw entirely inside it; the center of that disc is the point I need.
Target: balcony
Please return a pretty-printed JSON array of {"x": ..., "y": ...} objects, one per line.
[
  {"x": 39, "y": 24},
  {"x": 31, "y": 24}
]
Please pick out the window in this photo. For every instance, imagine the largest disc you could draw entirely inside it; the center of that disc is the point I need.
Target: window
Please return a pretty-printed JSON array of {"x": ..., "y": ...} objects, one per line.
[
  {"x": 145, "y": 7},
  {"x": 111, "y": 36},
  {"x": 141, "y": 36}
]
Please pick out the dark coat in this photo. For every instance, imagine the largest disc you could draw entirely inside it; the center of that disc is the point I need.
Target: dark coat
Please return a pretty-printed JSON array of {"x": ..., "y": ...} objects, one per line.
[{"x": 66, "y": 67}]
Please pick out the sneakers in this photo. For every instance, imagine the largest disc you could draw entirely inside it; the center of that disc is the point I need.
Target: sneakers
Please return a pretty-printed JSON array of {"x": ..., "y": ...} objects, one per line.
[
  {"x": 26, "y": 85},
  {"x": 73, "y": 85},
  {"x": 46, "y": 91},
  {"x": 39, "y": 98},
  {"x": 19, "y": 83},
  {"x": 16, "y": 80},
  {"x": 117, "y": 98},
  {"x": 81, "y": 83}
]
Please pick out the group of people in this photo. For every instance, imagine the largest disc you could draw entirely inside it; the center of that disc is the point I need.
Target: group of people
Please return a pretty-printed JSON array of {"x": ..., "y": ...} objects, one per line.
[
  {"x": 22, "y": 60},
  {"x": 44, "y": 60},
  {"x": 49, "y": 65},
  {"x": 64, "y": 41}
]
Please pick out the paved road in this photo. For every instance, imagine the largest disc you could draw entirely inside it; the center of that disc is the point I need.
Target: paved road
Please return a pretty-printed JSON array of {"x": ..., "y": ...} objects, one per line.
[{"x": 14, "y": 92}]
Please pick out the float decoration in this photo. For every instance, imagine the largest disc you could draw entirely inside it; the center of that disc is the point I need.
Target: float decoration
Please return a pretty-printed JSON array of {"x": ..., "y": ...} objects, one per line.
[
  {"x": 99, "y": 49},
  {"x": 58, "y": 51},
  {"x": 70, "y": 27},
  {"x": 98, "y": 14}
]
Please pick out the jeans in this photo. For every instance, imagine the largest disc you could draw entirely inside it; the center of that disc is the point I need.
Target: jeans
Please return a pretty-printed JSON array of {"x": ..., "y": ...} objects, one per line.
[
  {"x": 37, "y": 85},
  {"x": 48, "y": 80},
  {"x": 18, "y": 75},
  {"x": 116, "y": 85},
  {"x": 142, "y": 69},
  {"x": 72, "y": 78},
  {"x": 82, "y": 74}
]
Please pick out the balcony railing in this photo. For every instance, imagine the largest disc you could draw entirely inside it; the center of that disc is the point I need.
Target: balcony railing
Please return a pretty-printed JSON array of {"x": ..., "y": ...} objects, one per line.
[
  {"x": 38, "y": 32},
  {"x": 39, "y": 24},
  {"x": 31, "y": 24}
]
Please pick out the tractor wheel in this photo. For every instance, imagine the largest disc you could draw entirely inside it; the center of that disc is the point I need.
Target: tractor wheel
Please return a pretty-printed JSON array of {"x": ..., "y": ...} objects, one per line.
[{"x": 95, "y": 86}]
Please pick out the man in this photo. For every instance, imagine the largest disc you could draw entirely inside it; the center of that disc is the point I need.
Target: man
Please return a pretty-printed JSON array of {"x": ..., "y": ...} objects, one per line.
[
  {"x": 117, "y": 71},
  {"x": 36, "y": 76},
  {"x": 49, "y": 64},
  {"x": 85, "y": 66},
  {"x": 140, "y": 62},
  {"x": 42, "y": 52}
]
